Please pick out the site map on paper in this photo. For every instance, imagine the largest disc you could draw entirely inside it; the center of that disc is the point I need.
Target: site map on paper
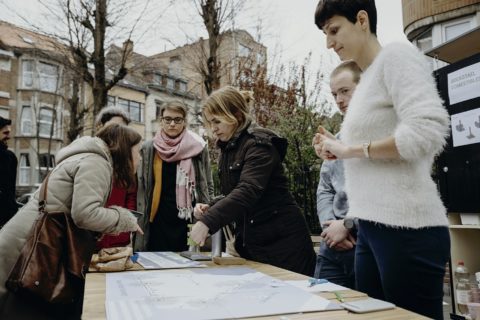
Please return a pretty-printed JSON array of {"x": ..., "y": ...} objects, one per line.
[{"x": 197, "y": 294}]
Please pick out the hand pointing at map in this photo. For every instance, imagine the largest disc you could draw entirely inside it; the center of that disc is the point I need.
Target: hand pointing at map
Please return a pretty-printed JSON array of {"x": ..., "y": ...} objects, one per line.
[{"x": 199, "y": 233}]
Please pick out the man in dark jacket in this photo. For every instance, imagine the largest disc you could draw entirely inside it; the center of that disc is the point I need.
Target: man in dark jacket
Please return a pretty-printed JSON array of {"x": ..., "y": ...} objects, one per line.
[{"x": 8, "y": 174}]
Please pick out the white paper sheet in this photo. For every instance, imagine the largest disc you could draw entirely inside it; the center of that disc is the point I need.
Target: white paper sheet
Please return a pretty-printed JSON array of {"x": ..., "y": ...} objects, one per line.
[
  {"x": 322, "y": 287},
  {"x": 166, "y": 260},
  {"x": 464, "y": 84},
  {"x": 466, "y": 128},
  {"x": 197, "y": 294}
]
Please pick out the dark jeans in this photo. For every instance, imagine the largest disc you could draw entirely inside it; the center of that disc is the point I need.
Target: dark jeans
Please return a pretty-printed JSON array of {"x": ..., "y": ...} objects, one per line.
[
  {"x": 336, "y": 266},
  {"x": 403, "y": 266}
]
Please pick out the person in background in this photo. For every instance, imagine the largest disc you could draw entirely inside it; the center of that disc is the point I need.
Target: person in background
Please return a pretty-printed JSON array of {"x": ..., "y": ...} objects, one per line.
[
  {"x": 119, "y": 196},
  {"x": 173, "y": 175},
  {"x": 79, "y": 185},
  {"x": 269, "y": 225},
  {"x": 8, "y": 174},
  {"x": 335, "y": 261},
  {"x": 395, "y": 126}
]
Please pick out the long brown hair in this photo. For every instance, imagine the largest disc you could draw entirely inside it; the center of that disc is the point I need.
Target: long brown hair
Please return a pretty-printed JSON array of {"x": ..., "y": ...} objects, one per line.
[{"x": 120, "y": 139}]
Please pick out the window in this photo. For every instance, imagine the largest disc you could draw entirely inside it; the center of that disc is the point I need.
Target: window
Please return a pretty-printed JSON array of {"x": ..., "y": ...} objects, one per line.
[
  {"x": 183, "y": 86},
  {"x": 424, "y": 41},
  {"x": 455, "y": 28},
  {"x": 111, "y": 101},
  {"x": 46, "y": 161},
  {"x": 158, "y": 109},
  {"x": 24, "y": 170},
  {"x": 5, "y": 64},
  {"x": 243, "y": 51},
  {"x": 260, "y": 58},
  {"x": 170, "y": 83},
  {"x": 26, "y": 124},
  {"x": 27, "y": 73},
  {"x": 133, "y": 108},
  {"x": 48, "y": 77},
  {"x": 45, "y": 121},
  {"x": 157, "y": 79}
]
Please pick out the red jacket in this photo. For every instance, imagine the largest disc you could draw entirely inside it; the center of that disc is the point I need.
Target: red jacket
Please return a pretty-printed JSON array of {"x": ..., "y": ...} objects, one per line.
[{"x": 123, "y": 198}]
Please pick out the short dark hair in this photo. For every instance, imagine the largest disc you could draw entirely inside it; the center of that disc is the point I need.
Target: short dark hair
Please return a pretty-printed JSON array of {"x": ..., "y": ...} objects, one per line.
[
  {"x": 120, "y": 139},
  {"x": 348, "y": 65},
  {"x": 4, "y": 122},
  {"x": 348, "y": 9}
]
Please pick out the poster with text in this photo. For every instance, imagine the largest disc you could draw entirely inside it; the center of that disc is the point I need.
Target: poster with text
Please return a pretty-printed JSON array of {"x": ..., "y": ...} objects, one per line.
[{"x": 464, "y": 84}]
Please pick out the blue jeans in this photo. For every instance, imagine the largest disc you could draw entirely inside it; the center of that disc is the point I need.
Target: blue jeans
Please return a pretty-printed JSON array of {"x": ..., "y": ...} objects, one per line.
[
  {"x": 403, "y": 266},
  {"x": 336, "y": 266}
]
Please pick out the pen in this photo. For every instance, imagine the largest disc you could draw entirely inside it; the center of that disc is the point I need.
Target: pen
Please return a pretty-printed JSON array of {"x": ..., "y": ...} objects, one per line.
[
  {"x": 314, "y": 281},
  {"x": 339, "y": 296}
]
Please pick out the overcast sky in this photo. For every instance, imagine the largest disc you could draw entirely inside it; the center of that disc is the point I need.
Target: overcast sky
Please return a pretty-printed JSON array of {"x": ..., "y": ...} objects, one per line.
[
  {"x": 287, "y": 24},
  {"x": 285, "y": 27}
]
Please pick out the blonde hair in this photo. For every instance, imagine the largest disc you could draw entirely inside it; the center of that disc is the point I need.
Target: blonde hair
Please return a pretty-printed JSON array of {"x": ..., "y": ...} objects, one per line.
[
  {"x": 348, "y": 65},
  {"x": 231, "y": 106}
]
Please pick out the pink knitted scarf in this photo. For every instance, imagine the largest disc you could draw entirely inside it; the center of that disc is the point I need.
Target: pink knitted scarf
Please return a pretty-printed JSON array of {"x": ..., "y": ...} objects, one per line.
[{"x": 182, "y": 148}]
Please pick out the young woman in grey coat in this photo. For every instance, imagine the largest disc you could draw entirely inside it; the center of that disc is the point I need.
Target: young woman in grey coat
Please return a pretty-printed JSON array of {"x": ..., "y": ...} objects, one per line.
[{"x": 79, "y": 185}]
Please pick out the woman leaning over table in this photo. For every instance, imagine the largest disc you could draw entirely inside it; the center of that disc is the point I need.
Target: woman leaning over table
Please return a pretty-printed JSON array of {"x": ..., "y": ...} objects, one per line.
[
  {"x": 269, "y": 225},
  {"x": 394, "y": 127},
  {"x": 119, "y": 196},
  {"x": 79, "y": 184},
  {"x": 173, "y": 175}
]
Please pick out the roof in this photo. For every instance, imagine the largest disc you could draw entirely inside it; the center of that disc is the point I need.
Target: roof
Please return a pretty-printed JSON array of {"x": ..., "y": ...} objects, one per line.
[
  {"x": 13, "y": 37},
  {"x": 459, "y": 48}
]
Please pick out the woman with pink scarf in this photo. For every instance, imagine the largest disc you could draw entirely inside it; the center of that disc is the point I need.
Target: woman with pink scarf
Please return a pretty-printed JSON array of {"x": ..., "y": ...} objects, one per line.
[{"x": 173, "y": 176}]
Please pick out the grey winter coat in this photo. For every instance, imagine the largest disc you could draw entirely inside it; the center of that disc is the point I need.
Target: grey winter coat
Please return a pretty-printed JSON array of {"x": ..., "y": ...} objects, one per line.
[
  {"x": 79, "y": 184},
  {"x": 203, "y": 188}
]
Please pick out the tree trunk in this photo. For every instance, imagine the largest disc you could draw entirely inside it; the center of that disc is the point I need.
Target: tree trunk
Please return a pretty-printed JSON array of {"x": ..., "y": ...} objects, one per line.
[
  {"x": 210, "y": 15},
  {"x": 99, "y": 88}
]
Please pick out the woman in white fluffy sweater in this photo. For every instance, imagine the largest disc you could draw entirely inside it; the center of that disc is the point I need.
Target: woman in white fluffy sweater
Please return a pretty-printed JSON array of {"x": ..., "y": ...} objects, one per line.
[{"x": 395, "y": 126}]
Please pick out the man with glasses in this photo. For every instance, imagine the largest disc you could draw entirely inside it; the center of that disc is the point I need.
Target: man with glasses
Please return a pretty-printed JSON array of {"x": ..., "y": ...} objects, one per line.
[{"x": 8, "y": 174}]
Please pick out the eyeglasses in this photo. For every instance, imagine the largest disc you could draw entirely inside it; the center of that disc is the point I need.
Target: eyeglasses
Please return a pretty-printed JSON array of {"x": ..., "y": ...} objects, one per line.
[{"x": 168, "y": 120}]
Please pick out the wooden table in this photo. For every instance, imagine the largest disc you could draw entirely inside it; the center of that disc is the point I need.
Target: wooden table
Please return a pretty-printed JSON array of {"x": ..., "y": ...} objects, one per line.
[{"x": 94, "y": 299}]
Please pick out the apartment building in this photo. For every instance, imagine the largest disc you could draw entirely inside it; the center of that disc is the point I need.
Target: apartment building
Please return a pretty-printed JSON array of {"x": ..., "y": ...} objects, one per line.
[
  {"x": 33, "y": 91},
  {"x": 238, "y": 55},
  {"x": 428, "y": 24}
]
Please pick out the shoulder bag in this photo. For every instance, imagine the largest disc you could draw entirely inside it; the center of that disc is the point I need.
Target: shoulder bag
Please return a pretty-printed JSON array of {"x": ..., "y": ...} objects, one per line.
[{"x": 52, "y": 264}]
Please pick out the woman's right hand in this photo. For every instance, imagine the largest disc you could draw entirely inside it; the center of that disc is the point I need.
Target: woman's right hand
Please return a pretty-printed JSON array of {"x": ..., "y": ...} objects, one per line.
[
  {"x": 138, "y": 229},
  {"x": 200, "y": 209}
]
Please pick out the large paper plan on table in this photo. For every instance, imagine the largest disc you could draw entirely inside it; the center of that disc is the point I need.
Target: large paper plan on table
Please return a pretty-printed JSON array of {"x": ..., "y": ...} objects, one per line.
[{"x": 195, "y": 294}]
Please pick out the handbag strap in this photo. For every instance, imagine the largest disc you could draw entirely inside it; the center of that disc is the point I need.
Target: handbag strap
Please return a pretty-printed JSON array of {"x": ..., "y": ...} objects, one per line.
[{"x": 43, "y": 194}]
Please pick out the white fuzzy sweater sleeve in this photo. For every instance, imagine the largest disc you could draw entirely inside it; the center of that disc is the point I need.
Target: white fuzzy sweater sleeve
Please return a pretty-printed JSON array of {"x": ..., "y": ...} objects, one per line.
[{"x": 423, "y": 121}]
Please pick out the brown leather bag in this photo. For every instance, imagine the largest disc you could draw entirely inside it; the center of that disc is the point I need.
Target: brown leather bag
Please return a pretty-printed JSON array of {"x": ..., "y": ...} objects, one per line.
[{"x": 52, "y": 264}]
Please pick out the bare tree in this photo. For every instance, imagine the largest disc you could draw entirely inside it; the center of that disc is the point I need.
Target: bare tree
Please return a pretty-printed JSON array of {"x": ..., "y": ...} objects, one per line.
[
  {"x": 216, "y": 15},
  {"x": 81, "y": 40}
]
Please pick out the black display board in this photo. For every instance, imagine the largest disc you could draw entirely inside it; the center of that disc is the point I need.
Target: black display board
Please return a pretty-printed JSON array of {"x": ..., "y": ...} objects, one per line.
[{"x": 458, "y": 168}]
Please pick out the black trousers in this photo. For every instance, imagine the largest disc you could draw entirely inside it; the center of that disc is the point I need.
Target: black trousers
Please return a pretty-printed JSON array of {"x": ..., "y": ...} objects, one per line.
[{"x": 403, "y": 266}]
